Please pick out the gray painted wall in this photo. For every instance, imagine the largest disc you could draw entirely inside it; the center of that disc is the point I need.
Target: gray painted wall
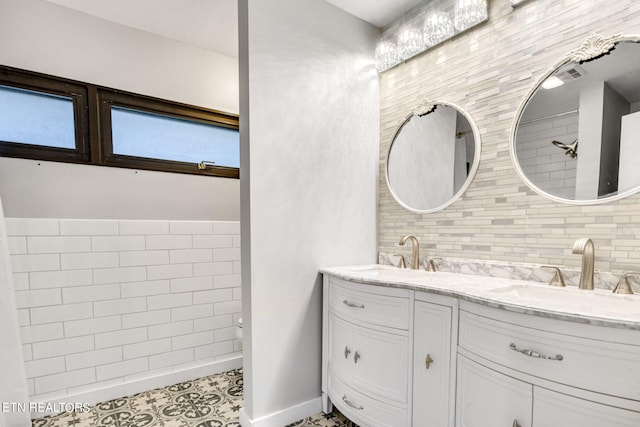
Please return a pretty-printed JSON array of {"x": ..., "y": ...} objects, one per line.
[{"x": 309, "y": 104}]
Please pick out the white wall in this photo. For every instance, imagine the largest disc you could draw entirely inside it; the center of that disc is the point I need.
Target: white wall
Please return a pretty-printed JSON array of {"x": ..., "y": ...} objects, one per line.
[
  {"x": 39, "y": 36},
  {"x": 309, "y": 141},
  {"x": 13, "y": 385}
]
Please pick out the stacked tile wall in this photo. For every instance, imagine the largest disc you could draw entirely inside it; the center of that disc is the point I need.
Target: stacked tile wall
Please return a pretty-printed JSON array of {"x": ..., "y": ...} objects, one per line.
[
  {"x": 488, "y": 71},
  {"x": 106, "y": 302}
]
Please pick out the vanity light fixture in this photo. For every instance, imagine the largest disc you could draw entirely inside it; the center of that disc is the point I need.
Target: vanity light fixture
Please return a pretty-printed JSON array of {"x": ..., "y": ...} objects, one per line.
[
  {"x": 412, "y": 34},
  {"x": 552, "y": 82},
  {"x": 386, "y": 55},
  {"x": 437, "y": 28},
  {"x": 410, "y": 43},
  {"x": 469, "y": 13}
]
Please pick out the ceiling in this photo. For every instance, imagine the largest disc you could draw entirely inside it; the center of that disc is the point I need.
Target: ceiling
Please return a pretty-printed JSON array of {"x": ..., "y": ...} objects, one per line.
[{"x": 213, "y": 24}]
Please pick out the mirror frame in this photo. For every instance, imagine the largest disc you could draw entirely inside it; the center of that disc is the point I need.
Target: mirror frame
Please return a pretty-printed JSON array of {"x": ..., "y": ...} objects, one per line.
[
  {"x": 595, "y": 46},
  {"x": 424, "y": 109}
]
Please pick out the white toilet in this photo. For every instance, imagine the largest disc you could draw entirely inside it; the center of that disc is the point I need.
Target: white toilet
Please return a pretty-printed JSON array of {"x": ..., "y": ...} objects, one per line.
[{"x": 239, "y": 330}]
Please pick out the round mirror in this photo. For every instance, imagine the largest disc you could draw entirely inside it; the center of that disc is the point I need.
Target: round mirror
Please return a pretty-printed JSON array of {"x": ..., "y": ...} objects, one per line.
[
  {"x": 576, "y": 136},
  {"x": 433, "y": 157}
]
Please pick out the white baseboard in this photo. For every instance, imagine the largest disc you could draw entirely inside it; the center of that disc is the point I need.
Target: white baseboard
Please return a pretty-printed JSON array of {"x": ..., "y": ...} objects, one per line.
[
  {"x": 120, "y": 390},
  {"x": 285, "y": 416}
]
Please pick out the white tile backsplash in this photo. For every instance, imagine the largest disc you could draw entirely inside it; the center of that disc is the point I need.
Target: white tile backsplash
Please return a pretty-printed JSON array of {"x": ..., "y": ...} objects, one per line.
[
  {"x": 89, "y": 260},
  {"x": 117, "y": 243},
  {"x": 192, "y": 312},
  {"x": 192, "y": 284},
  {"x": 58, "y": 279},
  {"x": 58, "y": 244},
  {"x": 103, "y": 302},
  {"x": 171, "y": 358},
  {"x": 88, "y": 227}
]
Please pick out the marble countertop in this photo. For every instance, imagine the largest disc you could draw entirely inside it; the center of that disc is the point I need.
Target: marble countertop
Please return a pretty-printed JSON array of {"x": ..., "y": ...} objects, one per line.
[{"x": 599, "y": 306}]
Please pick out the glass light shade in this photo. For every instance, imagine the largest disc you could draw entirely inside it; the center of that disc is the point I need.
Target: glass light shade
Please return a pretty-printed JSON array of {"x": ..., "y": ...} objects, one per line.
[
  {"x": 469, "y": 13},
  {"x": 437, "y": 28},
  {"x": 410, "y": 42},
  {"x": 386, "y": 55}
]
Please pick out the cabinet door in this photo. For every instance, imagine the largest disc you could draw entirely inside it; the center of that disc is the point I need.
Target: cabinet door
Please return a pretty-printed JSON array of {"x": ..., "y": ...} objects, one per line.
[
  {"x": 432, "y": 366},
  {"x": 488, "y": 398},
  {"x": 556, "y": 409},
  {"x": 371, "y": 361}
]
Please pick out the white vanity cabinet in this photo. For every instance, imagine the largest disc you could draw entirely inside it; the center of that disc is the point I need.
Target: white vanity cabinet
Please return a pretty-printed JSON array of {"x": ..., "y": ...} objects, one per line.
[
  {"x": 522, "y": 370},
  {"x": 389, "y": 355},
  {"x": 367, "y": 352}
]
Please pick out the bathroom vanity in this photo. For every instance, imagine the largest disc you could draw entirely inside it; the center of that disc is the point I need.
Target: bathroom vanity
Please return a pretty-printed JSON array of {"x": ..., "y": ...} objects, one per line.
[{"x": 413, "y": 348}]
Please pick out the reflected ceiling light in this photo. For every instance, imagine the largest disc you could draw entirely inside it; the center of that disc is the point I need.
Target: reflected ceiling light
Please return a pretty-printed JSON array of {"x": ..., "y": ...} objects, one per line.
[
  {"x": 469, "y": 13},
  {"x": 410, "y": 42},
  {"x": 552, "y": 82},
  {"x": 437, "y": 28},
  {"x": 386, "y": 55}
]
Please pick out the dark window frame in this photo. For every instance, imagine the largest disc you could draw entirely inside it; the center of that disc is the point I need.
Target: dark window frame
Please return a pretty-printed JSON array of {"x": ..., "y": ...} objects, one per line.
[
  {"x": 92, "y": 121},
  {"x": 79, "y": 95}
]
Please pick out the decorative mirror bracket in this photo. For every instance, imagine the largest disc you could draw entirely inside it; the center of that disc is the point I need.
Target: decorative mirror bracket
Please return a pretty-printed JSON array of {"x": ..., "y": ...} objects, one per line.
[
  {"x": 424, "y": 109},
  {"x": 594, "y": 47}
]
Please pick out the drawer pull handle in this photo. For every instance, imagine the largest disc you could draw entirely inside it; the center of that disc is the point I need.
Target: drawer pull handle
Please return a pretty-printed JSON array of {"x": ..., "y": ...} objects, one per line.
[
  {"x": 532, "y": 353},
  {"x": 348, "y": 402},
  {"x": 428, "y": 361},
  {"x": 352, "y": 305},
  {"x": 347, "y": 352},
  {"x": 515, "y": 423},
  {"x": 356, "y": 357}
]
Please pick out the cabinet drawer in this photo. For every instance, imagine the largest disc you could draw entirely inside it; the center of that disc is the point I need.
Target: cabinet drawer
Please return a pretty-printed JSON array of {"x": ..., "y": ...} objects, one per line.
[
  {"x": 592, "y": 364},
  {"x": 374, "y": 362},
  {"x": 363, "y": 410},
  {"x": 377, "y": 305},
  {"x": 551, "y": 409},
  {"x": 488, "y": 399}
]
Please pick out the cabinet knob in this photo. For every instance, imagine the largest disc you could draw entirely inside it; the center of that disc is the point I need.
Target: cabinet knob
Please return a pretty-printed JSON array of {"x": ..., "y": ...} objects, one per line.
[
  {"x": 347, "y": 352},
  {"x": 515, "y": 423},
  {"x": 356, "y": 356},
  {"x": 428, "y": 361}
]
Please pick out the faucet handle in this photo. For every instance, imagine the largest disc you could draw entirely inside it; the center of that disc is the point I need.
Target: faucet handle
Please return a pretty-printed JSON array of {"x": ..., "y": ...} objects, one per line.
[
  {"x": 623, "y": 286},
  {"x": 557, "y": 279},
  {"x": 402, "y": 263},
  {"x": 430, "y": 265}
]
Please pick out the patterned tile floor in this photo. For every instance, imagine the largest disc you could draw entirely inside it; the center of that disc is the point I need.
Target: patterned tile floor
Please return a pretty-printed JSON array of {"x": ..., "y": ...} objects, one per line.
[{"x": 213, "y": 401}]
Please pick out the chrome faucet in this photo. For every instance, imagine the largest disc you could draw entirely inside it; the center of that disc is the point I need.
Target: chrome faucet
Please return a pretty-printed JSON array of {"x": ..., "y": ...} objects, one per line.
[
  {"x": 415, "y": 250},
  {"x": 585, "y": 247}
]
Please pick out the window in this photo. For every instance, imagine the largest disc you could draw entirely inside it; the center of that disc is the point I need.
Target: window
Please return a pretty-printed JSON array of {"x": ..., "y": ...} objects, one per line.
[{"x": 44, "y": 117}]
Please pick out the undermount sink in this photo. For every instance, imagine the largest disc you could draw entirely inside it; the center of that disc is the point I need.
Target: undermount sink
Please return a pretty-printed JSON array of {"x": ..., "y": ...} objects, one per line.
[{"x": 571, "y": 297}]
